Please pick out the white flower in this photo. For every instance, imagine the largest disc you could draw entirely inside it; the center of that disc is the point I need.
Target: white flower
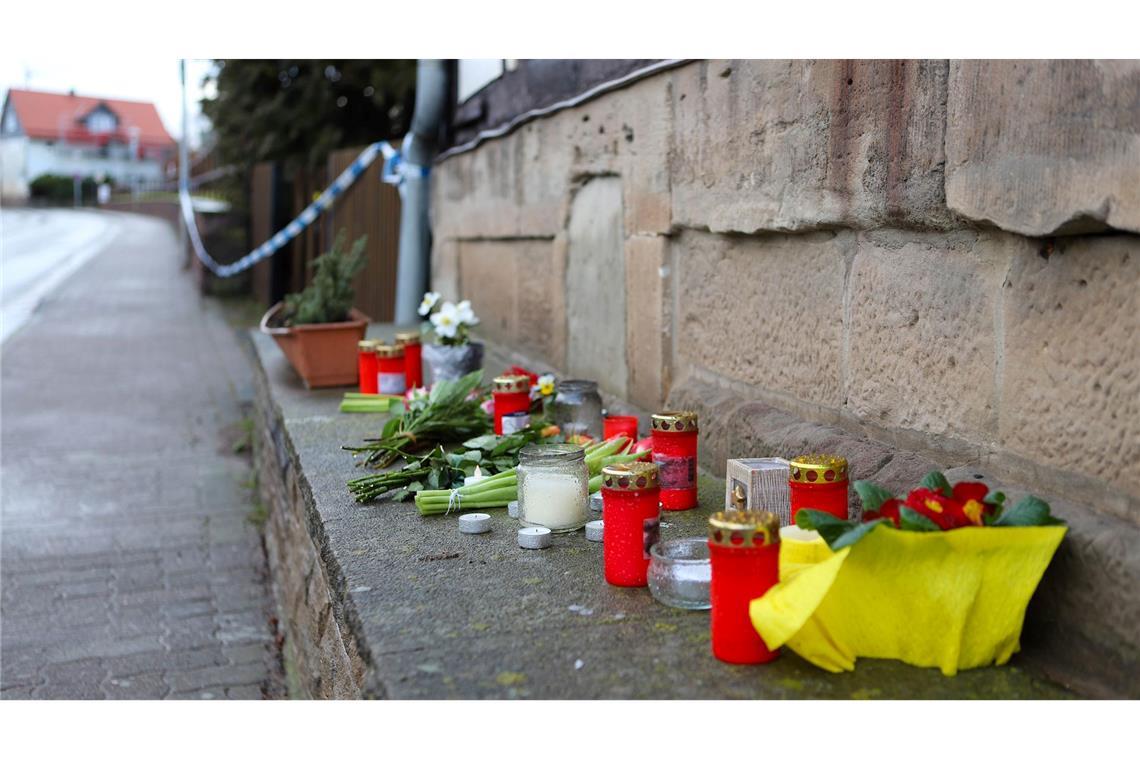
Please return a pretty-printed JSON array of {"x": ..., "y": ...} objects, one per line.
[
  {"x": 426, "y": 305},
  {"x": 446, "y": 320},
  {"x": 465, "y": 314}
]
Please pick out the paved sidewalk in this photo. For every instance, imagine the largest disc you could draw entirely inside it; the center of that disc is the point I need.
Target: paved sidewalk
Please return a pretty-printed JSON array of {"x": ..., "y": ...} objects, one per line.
[{"x": 129, "y": 568}]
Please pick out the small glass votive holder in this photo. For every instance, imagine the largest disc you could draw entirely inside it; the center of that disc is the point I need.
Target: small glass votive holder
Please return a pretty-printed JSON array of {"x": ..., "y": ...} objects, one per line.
[{"x": 680, "y": 572}]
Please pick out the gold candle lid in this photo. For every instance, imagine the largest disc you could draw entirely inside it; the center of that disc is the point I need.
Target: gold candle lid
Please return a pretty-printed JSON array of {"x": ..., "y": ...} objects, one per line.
[
  {"x": 367, "y": 345},
  {"x": 818, "y": 468},
  {"x": 743, "y": 530},
  {"x": 407, "y": 338},
  {"x": 511, "y": 383},
  {"x": 630, "y": 476},
  {"x": 675, "y": 422},
  {"x": 384, "y": 351}
]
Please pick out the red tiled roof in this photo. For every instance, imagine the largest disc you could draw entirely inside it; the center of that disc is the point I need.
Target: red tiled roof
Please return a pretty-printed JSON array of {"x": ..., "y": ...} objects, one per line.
[{"x": 52, "y": 116}]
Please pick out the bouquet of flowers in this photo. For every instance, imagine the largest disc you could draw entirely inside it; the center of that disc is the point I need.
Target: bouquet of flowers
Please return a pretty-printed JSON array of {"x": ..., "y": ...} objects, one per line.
[{"x": 939, "y": 578}]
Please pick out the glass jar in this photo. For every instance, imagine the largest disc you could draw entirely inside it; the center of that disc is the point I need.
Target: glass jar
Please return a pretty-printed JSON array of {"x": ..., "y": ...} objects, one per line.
[
  {"x": 577, "y": 409},
  {"x": 680, "y": 572},
  {"x": 554, "y": 487}
]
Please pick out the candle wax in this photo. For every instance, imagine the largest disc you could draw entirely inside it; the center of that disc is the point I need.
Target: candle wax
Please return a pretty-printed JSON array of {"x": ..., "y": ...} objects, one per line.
[{"x": 554, "y": 500}]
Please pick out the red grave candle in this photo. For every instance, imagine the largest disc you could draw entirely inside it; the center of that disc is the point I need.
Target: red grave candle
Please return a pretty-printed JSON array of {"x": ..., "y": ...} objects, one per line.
[
  {"x": 744, "y": 549},
  {"x": 511, "y": 393},
  {"x": 630, "y": 495},
  {"x": 818, "y": 481},
  {"x": 675, "y": 452},
  {"x": 366, "y": 365},
  {"x": 390, "y": 376},
  {"x": 413, "y": 359},
  {"x": 619, "y": 424}
]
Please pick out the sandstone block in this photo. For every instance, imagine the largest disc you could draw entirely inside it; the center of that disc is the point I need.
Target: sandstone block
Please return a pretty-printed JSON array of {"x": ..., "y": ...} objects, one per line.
[
  {"x": 802, "y": 145},
  {"x": 595, "y": 286},
  {"x": 648, "y": 334},
  {"x": 1045, "y": 147},
  {"x": 766, "y": 310},
  {"x": 715, "y": 408},
  {"x": 445, "y": 268},
  {"x": 1070, "y": 382},
  {"x": 922, "y": 334},
  {"x": 489, "y": 276}
]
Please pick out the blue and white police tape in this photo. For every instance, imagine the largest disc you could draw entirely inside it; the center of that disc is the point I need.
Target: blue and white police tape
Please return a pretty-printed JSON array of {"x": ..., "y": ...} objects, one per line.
[{"x": 394, "y": 172}]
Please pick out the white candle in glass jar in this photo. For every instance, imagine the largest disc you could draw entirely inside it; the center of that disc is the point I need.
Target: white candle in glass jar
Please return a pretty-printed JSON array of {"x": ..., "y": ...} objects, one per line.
[{"x": 555, "y": 500}]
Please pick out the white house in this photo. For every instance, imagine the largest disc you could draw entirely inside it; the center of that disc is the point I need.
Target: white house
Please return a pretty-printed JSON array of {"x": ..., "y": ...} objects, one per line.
[{"x": 68, "y": 134}]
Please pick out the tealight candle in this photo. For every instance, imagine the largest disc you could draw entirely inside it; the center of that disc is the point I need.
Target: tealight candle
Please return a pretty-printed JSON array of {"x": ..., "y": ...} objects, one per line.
[
  {"x": 745, "y": 553},
  {"x": 366, "y": 365},
  {"x": 474, "y": 477},
  {"x": 511, "y": 394},
  {"x": 675, "y": 452},
  {"x": 819, "y": 481},
  {"x": 534, "y": 538}
]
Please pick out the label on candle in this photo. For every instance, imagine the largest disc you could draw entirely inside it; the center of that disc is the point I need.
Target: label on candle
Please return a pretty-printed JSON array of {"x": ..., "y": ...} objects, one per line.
[
  {"x": 650, "y": 534},
  {"x": 391, "y": 382},
  {"x": 676, "y": 472},
  {"x": 514, "y": 422}
]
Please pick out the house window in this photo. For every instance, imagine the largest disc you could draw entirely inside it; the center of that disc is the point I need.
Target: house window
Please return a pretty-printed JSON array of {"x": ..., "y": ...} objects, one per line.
[{"x": 100, "y": 122}]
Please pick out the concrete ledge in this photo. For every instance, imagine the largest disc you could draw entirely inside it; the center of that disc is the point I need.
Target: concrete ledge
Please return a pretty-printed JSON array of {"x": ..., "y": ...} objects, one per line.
[
  {"x": 376, "y": 601},
  {"x": 1083, "y": 624}
]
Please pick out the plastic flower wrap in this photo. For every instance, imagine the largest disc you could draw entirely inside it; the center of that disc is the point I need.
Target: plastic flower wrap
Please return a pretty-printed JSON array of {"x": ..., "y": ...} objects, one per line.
[{"x": 940, "y": 578}]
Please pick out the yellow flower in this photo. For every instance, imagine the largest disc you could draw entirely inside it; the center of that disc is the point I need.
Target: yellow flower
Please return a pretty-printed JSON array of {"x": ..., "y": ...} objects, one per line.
[
  {"x": 546, "y": 385},
  {"x": 974, "y": 510}
]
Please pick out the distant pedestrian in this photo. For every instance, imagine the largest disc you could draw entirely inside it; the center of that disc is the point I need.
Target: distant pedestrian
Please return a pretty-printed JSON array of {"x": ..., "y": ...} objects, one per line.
[{"x": 103, "y": 193}]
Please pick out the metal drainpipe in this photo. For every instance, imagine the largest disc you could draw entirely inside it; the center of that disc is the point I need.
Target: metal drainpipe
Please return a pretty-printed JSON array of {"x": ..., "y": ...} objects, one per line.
[{"x": 419, "y": 149}]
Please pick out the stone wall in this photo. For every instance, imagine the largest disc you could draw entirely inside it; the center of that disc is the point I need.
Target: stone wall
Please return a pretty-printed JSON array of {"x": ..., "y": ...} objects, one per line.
[
  {"x": 941, "y": 256},
  {"x": 323, "y": 659}
]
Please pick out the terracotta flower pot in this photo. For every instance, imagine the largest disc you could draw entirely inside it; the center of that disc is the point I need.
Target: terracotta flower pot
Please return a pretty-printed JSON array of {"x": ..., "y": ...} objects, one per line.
[{"x": 324, "y": 355}]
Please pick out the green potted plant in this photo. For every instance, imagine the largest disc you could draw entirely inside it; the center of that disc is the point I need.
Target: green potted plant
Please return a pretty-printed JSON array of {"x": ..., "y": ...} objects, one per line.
[
  {"x": 452, "y": 354},
  {"x": 317, "y": 329}
]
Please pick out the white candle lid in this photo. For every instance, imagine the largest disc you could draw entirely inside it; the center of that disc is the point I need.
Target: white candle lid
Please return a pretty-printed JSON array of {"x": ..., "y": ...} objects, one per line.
[{"x": 476, "y": 522}]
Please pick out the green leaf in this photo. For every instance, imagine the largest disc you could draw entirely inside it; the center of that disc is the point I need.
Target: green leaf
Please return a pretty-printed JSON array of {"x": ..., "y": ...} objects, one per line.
[
  {"x": 996, "y": 499},
  {"x": 484, "y": 442},
  {"x": 912, "y": 520},
  {"x": 433, "y": 480},
  {"x": 936, "y": 481},
  {"x": 1029, "y": 511},
  {"x": 473, "y": 456},
  {"x": 856, "y": 533},
  {"x": 837, "y": 533},
  {"x": 400, "y": 494},
  {"x": 872, "y": 495}
]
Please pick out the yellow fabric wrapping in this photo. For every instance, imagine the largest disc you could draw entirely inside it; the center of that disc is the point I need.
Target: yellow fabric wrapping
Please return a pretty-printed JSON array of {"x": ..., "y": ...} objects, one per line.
[{"x": 951, "y": 600}]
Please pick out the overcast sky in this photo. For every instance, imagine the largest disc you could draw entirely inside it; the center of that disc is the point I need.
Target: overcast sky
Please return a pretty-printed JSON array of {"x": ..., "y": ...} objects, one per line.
[{"x": 145, "y": 78}]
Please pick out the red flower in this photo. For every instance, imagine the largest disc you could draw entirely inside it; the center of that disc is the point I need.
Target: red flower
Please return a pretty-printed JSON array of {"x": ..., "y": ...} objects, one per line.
[
  {"x": 968, "y": 489},
  {"x": 889, "y": 510},
  {"x": 943, "y": 512},
  {"x": 517, "y": 370}
]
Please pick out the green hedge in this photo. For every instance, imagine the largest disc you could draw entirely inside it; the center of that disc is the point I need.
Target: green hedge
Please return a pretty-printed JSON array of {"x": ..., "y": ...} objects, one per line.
[{"x": 59, "y": 188}]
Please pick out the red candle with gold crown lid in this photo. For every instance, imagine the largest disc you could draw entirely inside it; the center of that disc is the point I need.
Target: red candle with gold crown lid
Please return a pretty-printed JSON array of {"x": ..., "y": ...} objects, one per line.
[
  {"x": 511, "y": 393},
  {"x": 390, "y": 376},
  {"x": 818, "y": 481},
  {"x": 366, "y": 365},
  {"x": 413, "y": 358},
  {"x": 675, "y": 452},
  {"x": 630, "y": 494},
  {"x": 744, "y": 549}
]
